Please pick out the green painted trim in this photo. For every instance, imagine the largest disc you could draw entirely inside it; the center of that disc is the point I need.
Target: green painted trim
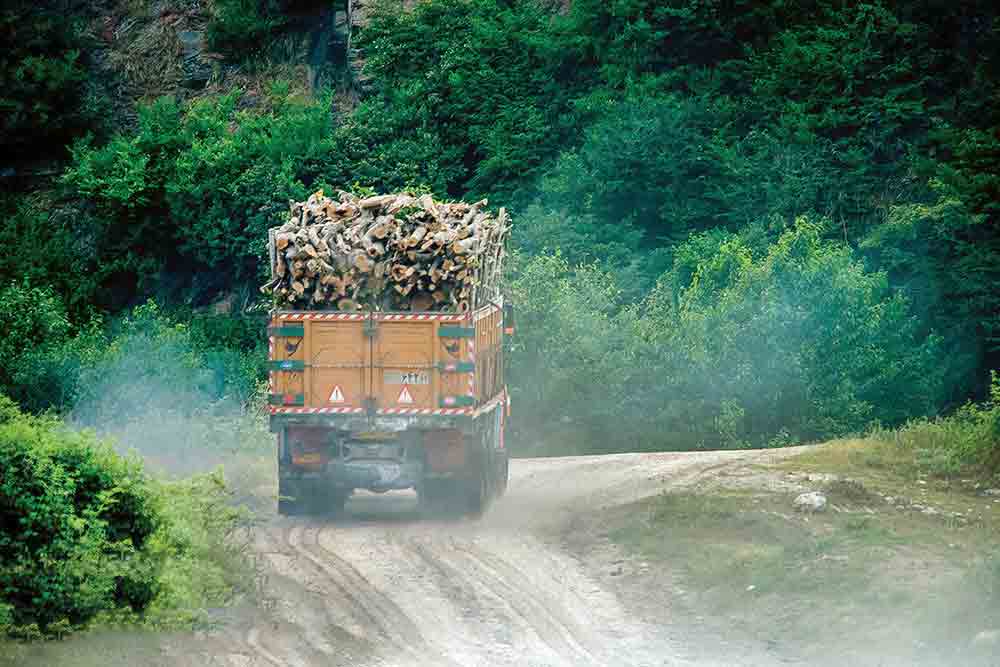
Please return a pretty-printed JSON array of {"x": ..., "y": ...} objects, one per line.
[
  {"x": 286, "y": 365},
  {"x": 457, "y": 367},
  {"x": 287, "y": 331},
  {"x": 456, "y": 332},
  {"x": 279, "y": 399},
  {"x": 459, "y": 402}
]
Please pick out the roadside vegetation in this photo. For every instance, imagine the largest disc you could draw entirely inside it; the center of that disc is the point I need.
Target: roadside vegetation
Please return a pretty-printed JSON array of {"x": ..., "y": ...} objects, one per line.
[{"x": 88, "y": 537}]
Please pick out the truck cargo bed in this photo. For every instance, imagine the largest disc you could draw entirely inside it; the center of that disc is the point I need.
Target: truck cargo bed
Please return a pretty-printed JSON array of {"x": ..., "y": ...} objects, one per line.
[{"x": 385, "y": 364}]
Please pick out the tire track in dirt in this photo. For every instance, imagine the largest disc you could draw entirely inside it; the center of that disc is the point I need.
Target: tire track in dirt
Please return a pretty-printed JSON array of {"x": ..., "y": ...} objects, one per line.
[
  {"x": 488, "y": 616},
  {"x": 503, "y": 590},
  {"x": 391, "y": 624},
  {"x": 299, "y": 627},
  {"x": 532, "y": 608},
  {"x": 253, "y": 641}
]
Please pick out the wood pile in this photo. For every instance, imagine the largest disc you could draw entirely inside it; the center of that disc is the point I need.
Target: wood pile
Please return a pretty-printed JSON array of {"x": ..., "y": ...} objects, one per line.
[{"x": 393, "y": 252}]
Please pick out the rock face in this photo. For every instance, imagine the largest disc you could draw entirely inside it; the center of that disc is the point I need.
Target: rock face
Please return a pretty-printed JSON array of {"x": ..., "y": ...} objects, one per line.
[
  {"x": 357, "y": 18},
  {"x": 814, "y": 501},
  {"x": 197, "y": 66}
]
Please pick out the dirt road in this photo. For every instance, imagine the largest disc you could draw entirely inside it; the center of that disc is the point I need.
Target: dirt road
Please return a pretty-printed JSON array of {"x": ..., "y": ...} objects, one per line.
[{"x": 383, "y": 587}]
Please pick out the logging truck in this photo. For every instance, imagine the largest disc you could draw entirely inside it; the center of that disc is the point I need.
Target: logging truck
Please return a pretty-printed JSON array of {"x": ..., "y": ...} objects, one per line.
[{"x": 384, "y": 400}]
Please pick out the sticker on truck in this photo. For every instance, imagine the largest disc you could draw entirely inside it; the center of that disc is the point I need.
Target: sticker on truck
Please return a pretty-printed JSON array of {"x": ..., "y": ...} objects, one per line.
[
  {"x": 405, "y": 397},
  {"x": 412, "y": 377}
]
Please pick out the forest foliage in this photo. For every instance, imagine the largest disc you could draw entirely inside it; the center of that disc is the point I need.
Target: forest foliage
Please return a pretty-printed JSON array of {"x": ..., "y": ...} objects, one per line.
[{"x": 736, "y": 223}]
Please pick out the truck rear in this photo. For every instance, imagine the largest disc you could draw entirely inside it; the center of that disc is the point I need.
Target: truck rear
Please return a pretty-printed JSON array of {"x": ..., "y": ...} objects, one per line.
[{"x": 385, "y": 399}]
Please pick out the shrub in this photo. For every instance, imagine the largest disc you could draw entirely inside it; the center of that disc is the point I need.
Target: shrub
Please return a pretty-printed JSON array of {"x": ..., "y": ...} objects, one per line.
[
  {"x": 800, "y": 338},
  {"x": 243, "y": 27},
  {"x": 36, "y": 328},
  {"x": 195, "y": 188},
  {"x": 202, "y": 544},
  {"x": 734, "y": 347},
  {"x": 150, "y": 365},
  {"x": 75, "y": 519},
  {"x": 42, "y": 79},
  {"x": 567, "y": 366},
  {"x": 966, "y": 442}
]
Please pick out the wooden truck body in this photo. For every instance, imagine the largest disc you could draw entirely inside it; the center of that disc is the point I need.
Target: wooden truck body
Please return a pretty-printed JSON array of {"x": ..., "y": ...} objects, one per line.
[{"x": 383, "y": 401}]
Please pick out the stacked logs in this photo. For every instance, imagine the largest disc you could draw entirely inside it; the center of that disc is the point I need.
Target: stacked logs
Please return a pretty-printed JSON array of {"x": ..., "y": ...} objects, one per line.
[{"x": 389, "y": 252}]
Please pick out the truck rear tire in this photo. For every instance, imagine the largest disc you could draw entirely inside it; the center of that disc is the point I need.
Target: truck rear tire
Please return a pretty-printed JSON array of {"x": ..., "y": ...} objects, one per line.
[
  {"x": 290, "y": 502},
  {"x": 330, "y": 501},
  {"x": 504, "y": 476},
  {"x": 475, "y": 488}
]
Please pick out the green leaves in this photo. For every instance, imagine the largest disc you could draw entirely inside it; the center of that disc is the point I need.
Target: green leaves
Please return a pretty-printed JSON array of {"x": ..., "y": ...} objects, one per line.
[
  {"x": 74, "y": 518},
  {"x": 198, "y": 185},
  {"x": 42, "y": 80},
  {"x": 733, "y": 347}
]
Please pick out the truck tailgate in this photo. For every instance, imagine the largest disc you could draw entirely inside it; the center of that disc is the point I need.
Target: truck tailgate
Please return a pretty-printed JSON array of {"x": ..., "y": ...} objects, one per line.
[{"x": 386, "y": 362}]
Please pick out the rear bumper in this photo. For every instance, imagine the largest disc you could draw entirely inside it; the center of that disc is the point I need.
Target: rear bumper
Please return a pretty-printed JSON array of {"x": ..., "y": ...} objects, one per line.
[
  {"x": 371, "y": 475},
  {"x": 391, "y": 423}
]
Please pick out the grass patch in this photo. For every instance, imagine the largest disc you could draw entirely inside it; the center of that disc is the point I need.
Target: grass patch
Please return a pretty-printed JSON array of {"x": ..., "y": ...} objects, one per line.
[
  {"x": 750, "y": 564},
  {"x": 727, "y": 542}
]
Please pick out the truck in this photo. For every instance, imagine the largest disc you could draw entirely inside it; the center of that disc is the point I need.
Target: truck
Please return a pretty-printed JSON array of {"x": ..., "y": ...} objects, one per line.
[{"x": 387, "y": 400}]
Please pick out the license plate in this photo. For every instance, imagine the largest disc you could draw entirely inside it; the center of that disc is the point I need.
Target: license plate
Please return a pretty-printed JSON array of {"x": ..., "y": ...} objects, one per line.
[
  {"x": 388, "y": 472},
  {"x": 413, "y": 377}
]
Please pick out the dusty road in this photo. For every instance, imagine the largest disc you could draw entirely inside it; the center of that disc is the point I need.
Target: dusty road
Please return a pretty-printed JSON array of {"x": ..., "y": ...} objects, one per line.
[{"x": 383, "y": 587}]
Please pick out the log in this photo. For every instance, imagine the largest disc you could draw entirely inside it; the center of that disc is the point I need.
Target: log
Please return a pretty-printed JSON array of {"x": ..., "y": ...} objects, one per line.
[{"x": 386, "y": 252}]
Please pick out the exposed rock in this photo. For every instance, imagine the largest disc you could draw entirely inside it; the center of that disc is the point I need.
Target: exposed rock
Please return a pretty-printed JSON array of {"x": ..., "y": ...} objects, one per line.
[
  {"x": 814, "y": 501},
  {"x": 197, "y": 64},
  {"x": 986, "y": 639}
]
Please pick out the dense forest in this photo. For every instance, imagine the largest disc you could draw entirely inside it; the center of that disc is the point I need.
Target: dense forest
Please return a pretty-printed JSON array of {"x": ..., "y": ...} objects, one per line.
[{"x": 737, "y": 223}]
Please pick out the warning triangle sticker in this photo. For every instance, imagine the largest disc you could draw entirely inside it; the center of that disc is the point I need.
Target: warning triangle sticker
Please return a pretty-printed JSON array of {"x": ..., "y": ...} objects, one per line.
[
  {"x": 405, "y": 397},
  {"x": 337, "y": 396}
]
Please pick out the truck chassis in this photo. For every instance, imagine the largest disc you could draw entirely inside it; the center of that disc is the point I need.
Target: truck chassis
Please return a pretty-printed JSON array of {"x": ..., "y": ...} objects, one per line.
[{"x": 453, "y": 462}]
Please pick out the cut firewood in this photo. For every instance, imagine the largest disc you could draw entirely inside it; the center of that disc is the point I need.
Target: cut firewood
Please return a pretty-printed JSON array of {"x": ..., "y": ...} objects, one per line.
[{"x": 386, "y": 252}]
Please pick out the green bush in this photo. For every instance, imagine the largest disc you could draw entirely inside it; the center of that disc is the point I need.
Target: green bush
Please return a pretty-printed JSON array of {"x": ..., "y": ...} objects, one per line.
[
  {"x": 195, "y": 187},
  {"x": 75, "y": 520},
  {"x": 798, "y": 337},
  {"x": 243, "y": 27},
  {"x": 43, "y": 96},
  {"x": 202, "y": 545},
  {"x": 734, "y": 347},
  {"x": 151, "y": 365},
  {"x": 567, "y": 371},
  {"x": 964, "y": 443},
  {"x": 36, "y": 331}
]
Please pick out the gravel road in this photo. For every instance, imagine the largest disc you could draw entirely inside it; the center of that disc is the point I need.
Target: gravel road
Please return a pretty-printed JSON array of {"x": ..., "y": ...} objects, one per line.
[{"x": 382, "y": 586}]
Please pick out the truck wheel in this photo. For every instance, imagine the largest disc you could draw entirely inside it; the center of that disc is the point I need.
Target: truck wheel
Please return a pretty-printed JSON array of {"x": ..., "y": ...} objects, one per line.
[
  {"x": 290, "y": 502},
  {"x": 475, "y": 489},
  {"x": 325, "y": 500},
  {"x": 504, "y": 476},
  {"x": 432, "y": 495}
]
